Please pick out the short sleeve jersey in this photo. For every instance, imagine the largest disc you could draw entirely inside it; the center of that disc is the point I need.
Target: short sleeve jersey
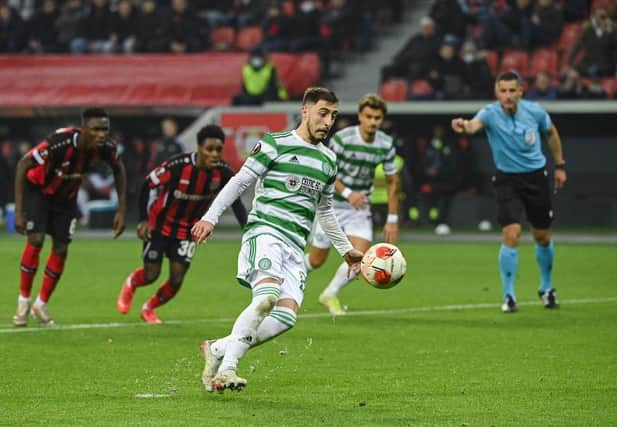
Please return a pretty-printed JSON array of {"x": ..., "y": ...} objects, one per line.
[
  {"x": 516, "y": 140},
  {"x": 293, "y": 177},
  {"x": 60, "y": 165},
  {"x": 357, "y": 159},
  {"x": 184, "y": 192}
]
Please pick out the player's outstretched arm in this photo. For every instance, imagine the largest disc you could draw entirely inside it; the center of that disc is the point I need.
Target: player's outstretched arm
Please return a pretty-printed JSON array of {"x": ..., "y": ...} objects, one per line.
[{"x": 461, "y": 125}]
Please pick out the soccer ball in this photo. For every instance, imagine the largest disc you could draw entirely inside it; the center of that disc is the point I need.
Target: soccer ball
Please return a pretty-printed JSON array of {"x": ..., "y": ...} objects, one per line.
[{"x": 383, "y": 266}]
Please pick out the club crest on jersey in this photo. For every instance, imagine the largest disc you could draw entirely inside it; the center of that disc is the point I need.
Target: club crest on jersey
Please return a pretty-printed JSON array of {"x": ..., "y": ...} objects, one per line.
[
  {"x": 265, "y": 264},
  {"x": 256, "y": 149},
  {"x": 530, "y": 137},
  {"x": 293, "y": 182}
]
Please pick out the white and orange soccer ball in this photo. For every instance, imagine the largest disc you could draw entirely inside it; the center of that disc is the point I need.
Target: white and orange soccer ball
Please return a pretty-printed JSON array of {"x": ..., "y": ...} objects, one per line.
[{"x": 383, "y": 266}]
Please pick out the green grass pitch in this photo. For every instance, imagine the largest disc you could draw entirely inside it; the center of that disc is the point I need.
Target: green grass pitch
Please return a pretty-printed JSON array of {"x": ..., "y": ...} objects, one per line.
[{"x": 434, "y": 351}]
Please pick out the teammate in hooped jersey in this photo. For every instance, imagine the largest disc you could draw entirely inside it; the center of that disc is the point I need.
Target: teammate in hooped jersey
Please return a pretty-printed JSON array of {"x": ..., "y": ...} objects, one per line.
[
  {"x": 173, "y": 197},
  {"x": 46, "y": 185}
]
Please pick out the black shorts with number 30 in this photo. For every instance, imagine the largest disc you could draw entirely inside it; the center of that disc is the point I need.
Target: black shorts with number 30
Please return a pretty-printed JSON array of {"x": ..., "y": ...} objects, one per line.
[
  {"x": 181, "y": 251},
  {"x": 529, "y": 192}
]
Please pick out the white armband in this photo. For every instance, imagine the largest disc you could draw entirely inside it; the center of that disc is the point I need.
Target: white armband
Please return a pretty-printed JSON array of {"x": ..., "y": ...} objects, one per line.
[{"x": 346, "y": 192}]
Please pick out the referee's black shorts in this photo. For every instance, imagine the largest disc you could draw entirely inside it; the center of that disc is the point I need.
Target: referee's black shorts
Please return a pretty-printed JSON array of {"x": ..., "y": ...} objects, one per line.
[
  {"x": 529, "y": 192},
  {"x": 48, "y": 216}
]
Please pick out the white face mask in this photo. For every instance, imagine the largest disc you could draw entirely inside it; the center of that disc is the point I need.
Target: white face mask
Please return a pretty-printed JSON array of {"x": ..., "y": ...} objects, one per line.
[
  {"x": 307, "y": 6},
  {"x": 468, "y": 58},
  {"x": 257, "y": 62}
]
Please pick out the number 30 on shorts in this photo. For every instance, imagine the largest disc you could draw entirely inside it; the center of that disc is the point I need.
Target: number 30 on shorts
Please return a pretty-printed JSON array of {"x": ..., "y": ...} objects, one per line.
[{"x": 186, "y": 248}]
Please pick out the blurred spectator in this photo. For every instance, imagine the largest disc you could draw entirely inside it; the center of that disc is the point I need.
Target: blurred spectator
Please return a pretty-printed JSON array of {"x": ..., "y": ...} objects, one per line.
[
  {"x": 508, "y": 28},
  {"x": 412, "y": 60},
  {"x": 546, "y": 24},
  {"x": 42, "y": 31},
  {"x": 69, "y": 22},
  {"x": 123, "y": 28},
  {"x": 97, "y": 185},
  {"x": 260, "y": 81},
  {"x": 542, "y": 88},
  {"x": 151, "y": 28},
  {"x": 167, "y": 145},
  {"x": 305, "y": 25},
  {"x": 440, "y": 174},
  {"x": 478, "y": 72},
  {"x": 247, "y": 12},
  {"x": 95, "y": 30},
  {"x": 185, "y": 32},
  {"x": 13, "y": 35},
  {"x": 571, "y": 86},
  {"x": 450, "y": 17},
  {"x": 593, "y": 89},
  {"x": 218, "y": 13},
  {"x": 598, "y": 42},
  {"x": 276, "y": 30},
  {"x": 447, "y": 74},
  {"x": 575, "y": 10}
]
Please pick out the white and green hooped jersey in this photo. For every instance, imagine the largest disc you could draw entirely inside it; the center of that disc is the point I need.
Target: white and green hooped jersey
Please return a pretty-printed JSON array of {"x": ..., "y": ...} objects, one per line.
[
  {"x": 357, "y": 159},
  {"x": 293, "y": 176}
]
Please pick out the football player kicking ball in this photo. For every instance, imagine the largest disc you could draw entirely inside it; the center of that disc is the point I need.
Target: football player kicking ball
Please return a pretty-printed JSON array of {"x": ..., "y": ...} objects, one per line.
[
  {"x": 172, "y": 199},
  {"x": 294, "y": 175}
]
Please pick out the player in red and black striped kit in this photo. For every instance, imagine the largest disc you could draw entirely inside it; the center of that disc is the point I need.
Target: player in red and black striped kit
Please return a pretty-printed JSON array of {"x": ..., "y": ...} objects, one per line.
[
  {"x": 46, "y": 185},
  {"x": 174, "y": 196}
]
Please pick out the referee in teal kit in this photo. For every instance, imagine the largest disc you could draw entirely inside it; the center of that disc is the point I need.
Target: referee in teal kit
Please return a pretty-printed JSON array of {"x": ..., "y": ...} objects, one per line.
[{"x": 514, "y": 128}]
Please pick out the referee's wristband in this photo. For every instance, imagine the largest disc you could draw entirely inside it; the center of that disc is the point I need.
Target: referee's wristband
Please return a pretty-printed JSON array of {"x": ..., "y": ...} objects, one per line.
[
  {"x": 392, "y": 218},
  {"x": 346, "y": 193}
]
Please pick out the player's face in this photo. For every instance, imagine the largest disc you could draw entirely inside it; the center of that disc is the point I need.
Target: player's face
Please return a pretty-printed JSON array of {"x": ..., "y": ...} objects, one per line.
[
  {"x": 96, "y": 130},
  {"x": 508, "y": 92},
  {"x": 209, "y": 152},
  {"x": 370, "y": 120},
  {"x": 320, "y": 118}
]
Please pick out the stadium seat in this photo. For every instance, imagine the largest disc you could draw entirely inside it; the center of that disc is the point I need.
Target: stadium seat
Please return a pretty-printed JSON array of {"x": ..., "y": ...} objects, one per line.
[
  {"x": 603, "y": 4},
  {"x": 420, "y": 89},
  {"x": 394, "y": 90},
  {"x": 544, "y": 60},
  {"x": 569, "y": 35},
  {"x": 517, "y": 60},
  {"x": 223, "y": 38},
  {"x": 492, "y": 59},
  {"x": 249, "y": 37}
]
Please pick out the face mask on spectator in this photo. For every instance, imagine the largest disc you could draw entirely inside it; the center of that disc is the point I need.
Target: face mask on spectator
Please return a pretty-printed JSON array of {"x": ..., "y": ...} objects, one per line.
[
  {"x": 468, "y": 58},
  {"x": 257, "y": 62},
  {"x": 307, "y": 6}
]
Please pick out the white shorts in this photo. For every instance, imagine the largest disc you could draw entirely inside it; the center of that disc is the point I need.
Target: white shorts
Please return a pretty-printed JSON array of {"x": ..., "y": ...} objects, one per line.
[
  {"x": 264, "y": 256},
  {"x": 354, "y": 222}
]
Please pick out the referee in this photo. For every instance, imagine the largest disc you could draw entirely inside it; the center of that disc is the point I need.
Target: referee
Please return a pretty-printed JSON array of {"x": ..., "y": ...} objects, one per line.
[{"x": 514, "y": 128}]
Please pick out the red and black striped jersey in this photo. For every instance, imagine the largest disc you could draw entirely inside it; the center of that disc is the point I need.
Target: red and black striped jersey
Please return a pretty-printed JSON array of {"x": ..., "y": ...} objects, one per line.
[
  {"x": 183, "y": 193},
  {"x": 60, "y": 165}
]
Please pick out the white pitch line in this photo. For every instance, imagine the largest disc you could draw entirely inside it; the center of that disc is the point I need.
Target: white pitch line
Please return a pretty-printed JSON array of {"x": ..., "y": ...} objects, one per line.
[
  {"x": 151, "y": 395},
  {"x": 456, "y": 307}
]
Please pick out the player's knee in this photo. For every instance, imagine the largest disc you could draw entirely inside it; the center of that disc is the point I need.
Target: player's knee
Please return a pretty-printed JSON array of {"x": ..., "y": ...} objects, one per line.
[
  {"x": 151, "y": 274},
  {"x": 61, "y": 249},
  {"x": 36, "y": 239},
  {"x": 317, "y": 260},
  {"x": 266, "y": 304}
]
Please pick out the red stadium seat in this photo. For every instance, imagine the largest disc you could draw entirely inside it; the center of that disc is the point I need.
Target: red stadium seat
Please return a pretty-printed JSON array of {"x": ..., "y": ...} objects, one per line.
[
  {"x": 570, "y": 33},
  {"x": 604, "y": 4},
  {"x": 492, "y": 58},
  {"x": 516, "y": 60},
  {"x": 394, "y": 90},
  {"x": 420, "y": 88},
  {"x": 223, "y": 38},
  {"x": 248, "y": 38},
  {"x": 544, "y": 60}
]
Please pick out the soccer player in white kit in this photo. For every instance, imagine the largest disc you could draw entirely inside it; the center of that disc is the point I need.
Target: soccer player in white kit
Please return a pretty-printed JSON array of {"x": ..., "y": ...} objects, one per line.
[
  {"x": 359, "y": 149},
  {"x": 294, "y": 175}
]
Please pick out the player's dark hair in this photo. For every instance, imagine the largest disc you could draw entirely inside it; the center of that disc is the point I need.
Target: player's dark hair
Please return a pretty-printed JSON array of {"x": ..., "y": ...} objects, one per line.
[
  {"x": 90, "y": 113},
  {"x": 316, "y": 93},
  {"x": 210, "y": 131},
  {"x": 372, "y": 100},
  {"x": 509, "y": 76}
]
